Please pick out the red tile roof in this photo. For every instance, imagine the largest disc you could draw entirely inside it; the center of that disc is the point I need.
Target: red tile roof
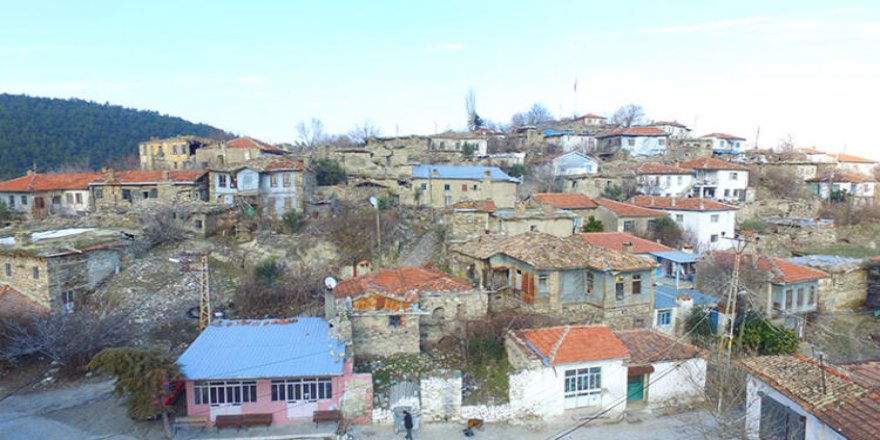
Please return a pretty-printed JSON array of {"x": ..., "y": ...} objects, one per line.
[
  {"x": 476, "y": 205},
  {"x": 680, "y": 204},
  {"x": 401, "y": 283},
  {"x": 810, "y": 150},
  {"x": 627, "y": 209},
  {"x": 147, "y": 176},
  {"x": 633, "y": 131},
  {"x": 670, "y": 123},
  {"x": 659, "y": 168},
  {"x": 265, "y": 163},
  {"x": 842, "y": 177},
  {"x": 711, "y": 163},
  {"x": 589, "y": 116},
  {"x": 565, "y": 200},
  {"x": 49, "y": 182},
  {"x": 249, "y": 142},
  {"x": 14, "y": 304},
  {"x": 781, "y": 271},
  {"x": 617, "y": 241},
  {"x": 867, "y": 372},
  {"x": 724, "y": 136},
  {"x": 571, "y": 343},
  {"x": 647, "y": 346},
  {"x": 851, "y": 158}
]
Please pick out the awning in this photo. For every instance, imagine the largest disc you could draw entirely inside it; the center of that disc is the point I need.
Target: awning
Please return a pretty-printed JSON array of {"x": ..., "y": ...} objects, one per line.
[
  {"x": 676, "y": 256},
  {"x": 640, "y": 370}
]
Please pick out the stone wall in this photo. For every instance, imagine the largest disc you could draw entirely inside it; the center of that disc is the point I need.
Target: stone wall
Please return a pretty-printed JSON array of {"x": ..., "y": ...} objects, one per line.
[
  {"x": 446, "y": 313},
  {"x": 17, "y": 271},
  {"x": 779, "y": 208},
  {"x": 593, "y": 185},
  {"x": 846, "y": 290},
  {"x": 440, "y": 394},
  {"x": 466, "y": 225},
  {"x": 373, "y": 337}
]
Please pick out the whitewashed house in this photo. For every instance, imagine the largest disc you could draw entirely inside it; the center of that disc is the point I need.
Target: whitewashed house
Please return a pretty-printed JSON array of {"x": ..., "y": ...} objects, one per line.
[
  {"x": 707, "y": 220},
  {"x": 723, "y": 143},
  {"x": 816, "y": 156},
  {"x": 270, "y": 185},
  {"x": 855, "y": 164},
  {"x": 675, "y": 129},
  {"x": 656, "y": 179},
  {"x": 574, "y": 163},
  {"x": 569, "y": 140},
  {"x": 591, "y": 120},
  {"x": 716, "y": 179},
  {"x": 638, "y": 141},
  {"x": 858, "y": 187}
]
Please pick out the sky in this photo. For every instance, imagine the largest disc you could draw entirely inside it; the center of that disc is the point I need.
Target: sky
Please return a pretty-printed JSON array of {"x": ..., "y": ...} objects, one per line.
[{"x": 801, "y": 70}]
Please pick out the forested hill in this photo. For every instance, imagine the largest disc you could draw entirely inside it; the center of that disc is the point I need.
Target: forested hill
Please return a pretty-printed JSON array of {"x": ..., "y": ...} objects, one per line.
[{"x": 54, "y": 133}]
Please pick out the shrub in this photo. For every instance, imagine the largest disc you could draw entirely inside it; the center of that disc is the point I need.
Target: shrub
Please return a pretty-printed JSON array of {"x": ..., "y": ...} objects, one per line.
[
  {"x": 753, "y": 225},
  {"x": 593, "y": 225},
  {"x": 518, "y": 170},
  {"x": 293, "y": 221},
  {"x": 329, "y": 172},
  {"x": 668, "y": 232}
]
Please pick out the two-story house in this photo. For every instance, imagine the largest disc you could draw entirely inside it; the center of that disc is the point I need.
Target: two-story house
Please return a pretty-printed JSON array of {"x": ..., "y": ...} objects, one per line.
[
  {"x": 235, "y": 151},
  {"x": 38, "y": 195},
  {"x": 716, "y": 179},
  {"x": 723, "y": 143},
  {"x": 854, "y": 164},
  {"x": 675, "y": 129},
  {"x": 656, "y": 179},
  {"x": 120, "y": 190},
  {"x": 272, "y": 185},
  {"x": 175, "y": 153},
  {"x": 626, "y": 217},
  {"x": 439, "y": 186},
  {"x": 841, "y": 184},
  {"x": 709, "y": 222},
  {"x": 564, "y": 276},
  {"x": 638, "y": 141}
]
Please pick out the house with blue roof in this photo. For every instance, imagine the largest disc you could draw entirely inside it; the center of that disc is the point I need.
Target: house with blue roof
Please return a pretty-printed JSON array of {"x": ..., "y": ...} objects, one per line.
[
  {"x": 441, "y": 186},
  {"x": 285, "y": 369},
  {"x": 672, "y": 306}
]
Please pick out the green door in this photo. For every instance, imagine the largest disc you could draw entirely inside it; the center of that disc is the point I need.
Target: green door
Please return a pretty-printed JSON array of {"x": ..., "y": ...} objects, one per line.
[{"x": 635, "y": 388}]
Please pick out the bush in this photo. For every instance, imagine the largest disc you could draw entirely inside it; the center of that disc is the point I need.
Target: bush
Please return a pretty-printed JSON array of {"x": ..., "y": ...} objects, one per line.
[
  {"x": 754, "y": 225},
  {"x": 518, "y": 170},
  {"x": 6, "y": 214},
  {"x": 668, "y": 232},
  {"x": 293, "y": 221},
  {"x": 621, "y": 193},
  {"x": 329, "y": 172},
  {"x": 593, "y": 225},
  {"x": 272, "y": 291},
  {"x": 761, "y": 337}
]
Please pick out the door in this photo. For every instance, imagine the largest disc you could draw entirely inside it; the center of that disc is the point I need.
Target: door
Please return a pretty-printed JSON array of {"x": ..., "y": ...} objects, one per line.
[
  {"x": 635, "y": 388},
  {"x": 583, "y": 387}
]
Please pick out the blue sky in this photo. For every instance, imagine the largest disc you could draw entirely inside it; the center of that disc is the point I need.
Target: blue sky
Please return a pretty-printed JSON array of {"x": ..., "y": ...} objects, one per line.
[{"x": 804, "y": 69}]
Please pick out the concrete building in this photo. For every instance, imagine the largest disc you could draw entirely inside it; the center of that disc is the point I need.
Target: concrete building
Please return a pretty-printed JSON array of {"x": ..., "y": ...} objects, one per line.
[
  {"x": 272, "y": 185},
  {"x": 175, "y": 153},
  {"x": 626, "y": 217},
  {"x": 709, "y": 222},
  {"x": 674, "y": 129},
  {"x": 121, "y": 190},
  {"x": 795, "y": 397},
  {"x": 638, "y": 141},
  {"x": 574, "y": 163},
  {"x": 857, "y": 187},
  {"x": 235, "y": 151},
  {"x": 283, "y": 370},
  {"x": 719, "y": 180},
  {"x": 38, "y": 195},
  {"x": 439, "y": 186},
  {"x": 854, "y": 164},
  {"x": 723, "y": 143},
  {"x": 656, "y": 179}
]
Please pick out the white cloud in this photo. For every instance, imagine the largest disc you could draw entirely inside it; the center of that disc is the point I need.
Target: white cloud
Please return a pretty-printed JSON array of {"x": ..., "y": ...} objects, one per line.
[
  {"x": 446, "y": 47},
  {"x": 253, "y": 79},
  {"x": 779, "y": 28}
]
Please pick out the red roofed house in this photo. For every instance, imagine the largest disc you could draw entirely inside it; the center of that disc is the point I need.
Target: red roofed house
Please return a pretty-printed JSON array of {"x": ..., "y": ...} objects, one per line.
[
  {"x": 37, "y": 195},
  {"x": 591, "y": 119},
  {"x": 176, "y": 153},
  {"x": 626, "y": 217},
  {"x": 272, "y": 184},
  {"x": 122, "y": 189},
  {"x": 665, "y": 180},
  {"x": 575, "y": 202},
  {"x": 621, "y": 241},
  {"x": 708, "y": 221},
  {"x": 726, "y": 143},
  {"x": 782, "y": 290},
  {"x": 855, "y": 164},
  {"x": 718, "y": 180},
  {"x": 399, "y": 310},
  {"x": 235, "y": 151},
  {"x": 675, "y": 129},
  {"x": 638, "y": 141},
  {"x": 858, "y": 187},
  {"x": 590, "y": 366}
]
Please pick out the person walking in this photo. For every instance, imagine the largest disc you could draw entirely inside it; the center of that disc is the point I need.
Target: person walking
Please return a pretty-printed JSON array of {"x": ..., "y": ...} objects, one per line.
[{"x": 408, "y": 424}]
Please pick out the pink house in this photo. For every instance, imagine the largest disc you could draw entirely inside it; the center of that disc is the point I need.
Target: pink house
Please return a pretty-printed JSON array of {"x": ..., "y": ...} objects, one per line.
[{"x": 289, "y": 368}]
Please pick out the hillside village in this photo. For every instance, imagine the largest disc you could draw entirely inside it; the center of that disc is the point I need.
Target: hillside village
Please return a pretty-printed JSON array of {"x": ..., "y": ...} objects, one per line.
[{"x": 555, "y": 274}]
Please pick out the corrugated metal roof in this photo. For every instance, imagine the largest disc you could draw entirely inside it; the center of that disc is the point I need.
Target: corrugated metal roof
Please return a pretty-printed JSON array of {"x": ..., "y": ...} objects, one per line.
[
  {"x": 825, "y": 260},
  {"x": 251, "y": 349},
  {"x": 460, "y": 172},
  {"x": 676, "y": 256},
  {"x": 664, "y": 297}
]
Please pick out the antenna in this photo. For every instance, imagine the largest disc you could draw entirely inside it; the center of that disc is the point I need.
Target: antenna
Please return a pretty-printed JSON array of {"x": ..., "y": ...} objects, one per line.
[{"x": 757, "y": 135}]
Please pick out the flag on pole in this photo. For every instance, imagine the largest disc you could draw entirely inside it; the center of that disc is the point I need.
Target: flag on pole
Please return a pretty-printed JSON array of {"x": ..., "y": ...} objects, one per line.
[{"x": 575, "y": 85}]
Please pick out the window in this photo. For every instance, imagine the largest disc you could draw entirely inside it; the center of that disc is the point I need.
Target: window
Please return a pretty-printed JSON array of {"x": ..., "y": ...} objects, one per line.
[
  {"x": 285, "y": 180},
  {"x": 288, "y": 203},
  {"x": 679, "y": 218},
  {"x": 714, "y": 218},
  {"x": 198, "y": 224},
  {"x": 800, "y": 297},
  {"x": 424, "y": 186},
  {"x": 36, "y": 272},
  {"x": 475, "y": 187},
  {"x": 154, "y": 193},
  {"x": 8, "y": 270},
  {"x": 126, "y": 194},
  {"x": 637, "y": 284},
  {"x": 145, "y": 195},
  {"x": 446, "y": 187},
  {"x": 713, "y": 238},
  {"x": 175, "y": 165},
  {"x": 69, "y": 198},
  {"x": 67, "y": 301},
  {"x": 788, "y": 295},
  {"x": 779, "y": 422},
  {"x": 232, "y": 392},
  {"x": 56, "y": 200},
  {"x": 99, "y": 193},
  {"x": 726, "y": 193},
  {"x": 11, "y": 201},
  {"x": 664, "y": 317},
  {"x": 590, "y": 281},
  {"x": 464, "y": 188},
  {"x": 221, "y": 181},
  {"x": 734, "y": 176},
  {"x": 174, "y": 149},
  {"x": 631, "y": 142},
  {"x": 652, "y": 224},
  {"x": 543, "y": 285},
  {"x": 661, "y": 141},
  {"x": 395, "y": 321},
  {"x": 812, "y": 298},
  {"x": 618, "y": 288},
  {"x": 308, "y": 389},
  {"x": 629, "y": 225},
  {"x": 679, "y": 180},
  {"x": 583, "y": 382},
  {"x": 273, "y": 181}
]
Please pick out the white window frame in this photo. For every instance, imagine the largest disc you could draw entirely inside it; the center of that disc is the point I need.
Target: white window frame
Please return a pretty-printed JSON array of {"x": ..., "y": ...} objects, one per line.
[
  {"x": 583, "y": 382},
  {"x": 230, "y": 392},
  {"x": 308, "y": 389},
  {"x": 664, "y": 317}
]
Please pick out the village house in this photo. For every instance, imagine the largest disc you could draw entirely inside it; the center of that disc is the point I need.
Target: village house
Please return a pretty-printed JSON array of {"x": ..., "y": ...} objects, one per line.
[
  {"x": 556, "y": 369},
  {"x": 656, "y": 179},
  {"x": 816, "y": 156},
  {"x": 271, "y": 185},
  {"x": 575, "y": 203},
  {"x": 796, "y": 397},
  {"x": 719, "y": 180},
  {"x": 545, "y": 219},
  {"x": 675, "y": 265},
  {"x": 574, "y": 163},
  {"x": 673, "y": 306},
  {"x": 591, "y": 120},
  {"x": 782, "y": 291},
  {"x": 439, "y": 186},
  {"x": 467, "y": 143},
  {"x": 845, "y": 184},
  {"x": 846, "y": 287},
  {"x": 723, "y": 143},
  {"x": 638, "y": 141},
  {"x": 468, "y": 220},
  {"x": 15, "y": 305},
  {"x": 708, "y": 222},
  {"x": 39, "y": 195},
  {"x": 854, "y": 164},
  {"x": 565, "y": 276},
  {"x": 120, "y": 190},
  {"x": 626, "y": 217},
  {"x": 53, "y": 269},
  {"x": 175, "y": 153},
  {"x": 276, "y": 371},
  {"x": 235, "y": 151},
  {"x": 570, "y": 140},
  {"x": 502, "y": 160},
  {"x": 400, "y": 310},
  {"x": 675, "y": 129}
]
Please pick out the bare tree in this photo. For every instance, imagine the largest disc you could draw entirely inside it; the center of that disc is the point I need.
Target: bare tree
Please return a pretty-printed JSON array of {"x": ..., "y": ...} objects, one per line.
[
  {"x": 537, "y": 114},
  {"x": 361, "y": 133},
  {"x": 79, "y": 165},
  {"x": 628, "y": 116},
  {"x": 311, "y": 133},
  {"x": 164, "y": 224}
]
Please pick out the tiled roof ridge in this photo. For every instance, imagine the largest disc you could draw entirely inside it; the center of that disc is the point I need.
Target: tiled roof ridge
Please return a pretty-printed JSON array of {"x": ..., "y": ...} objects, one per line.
[{"x": 558, "y": 343}]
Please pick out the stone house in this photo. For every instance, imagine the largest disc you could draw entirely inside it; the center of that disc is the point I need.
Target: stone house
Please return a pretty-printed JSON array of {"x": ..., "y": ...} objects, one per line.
[
  {"x": 626, "y": 217},
  {"x": 53, "y": 269},
  {"x": 656, "y": 179},
  {"x": 675, "y": 129},
  {"x": 708, "y": 222},
  {"x": 546, "y": 219},
  {"x": 719, "y": 180},
  {"x": 571, "y": 140},
  {"x": 576, "y": 203},
  {"x": 460, "y": 142},
  {"x": 281, "y": 369},
  {"x": 272, "y": 185},
  {"x": 39, "y": 195},
  {"x": 846, "y": 287},
  {"x": 440, "y": 186},
  {"x": 638, "y": 141},
  {"x": 121, "y": 190},
  {"x": 468, "y": 220},
  {"x": 723, "y": 143},
  {"x": 175, "y": 153},
  {"x": 561, "y": 276},
  {"x": 796, "y": 397},
  {"x": 400, "y": 310},
  {"x": 859, "y": 188},
  {"x": 235, "y": 151},
  {"x": 853, "y": 164}
]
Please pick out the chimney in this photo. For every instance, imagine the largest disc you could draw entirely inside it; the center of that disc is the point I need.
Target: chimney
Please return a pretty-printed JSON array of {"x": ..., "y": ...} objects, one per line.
[
  {"x": 111, "y": 175},
  {"x": 673, "y": 202},
  {"x": 628, "y": 247},
  {"x": 31, "y": 172},
  {"x": 166, "y": 175},
  {"x": 329, "y": 304}
]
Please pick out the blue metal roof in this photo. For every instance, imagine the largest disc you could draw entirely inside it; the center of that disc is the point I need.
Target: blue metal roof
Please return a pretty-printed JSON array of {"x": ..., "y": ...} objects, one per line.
[
  {"x": 829, "y": 260},
  {"x": 664, "y": 297},
  {"x": 551, "y": 132},
  {"x": 252, "y": 349},
  {"x": 676, "y": 256},
  {"x": 460, "y": 172}
]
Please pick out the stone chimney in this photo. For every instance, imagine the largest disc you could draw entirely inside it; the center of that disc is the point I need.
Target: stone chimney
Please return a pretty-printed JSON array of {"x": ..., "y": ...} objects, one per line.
[
  {"x": 628, "y": 247},
  {"x": 111, "y": 175},
  {"x": 329, "y": 304},
  {"x": 166, "y": 175},
  {"x": 673, "y": 202}
]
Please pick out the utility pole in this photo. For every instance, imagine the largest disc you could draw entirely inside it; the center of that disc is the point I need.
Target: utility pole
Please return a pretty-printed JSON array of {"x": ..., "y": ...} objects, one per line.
[{"x": 205, "y": 312}]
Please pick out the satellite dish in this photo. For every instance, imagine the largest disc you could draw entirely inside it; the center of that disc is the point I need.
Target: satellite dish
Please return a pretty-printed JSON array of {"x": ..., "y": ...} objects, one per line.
[
  {"x": 374, "y": 201},
  {"x": 330, "y": 283}
]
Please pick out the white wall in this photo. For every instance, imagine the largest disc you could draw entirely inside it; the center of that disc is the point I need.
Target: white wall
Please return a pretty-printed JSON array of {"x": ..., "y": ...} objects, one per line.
[
  {"x": 858, "y": 167},
  {"x": 680, "y": 385},
  {"x": 727, "y": 184},
  {"x": 644, "y": 145},
  {"x": 815, "y": 429},
  {"x": 700, "y": 224},
  {"x": 666, "y": 185}
]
